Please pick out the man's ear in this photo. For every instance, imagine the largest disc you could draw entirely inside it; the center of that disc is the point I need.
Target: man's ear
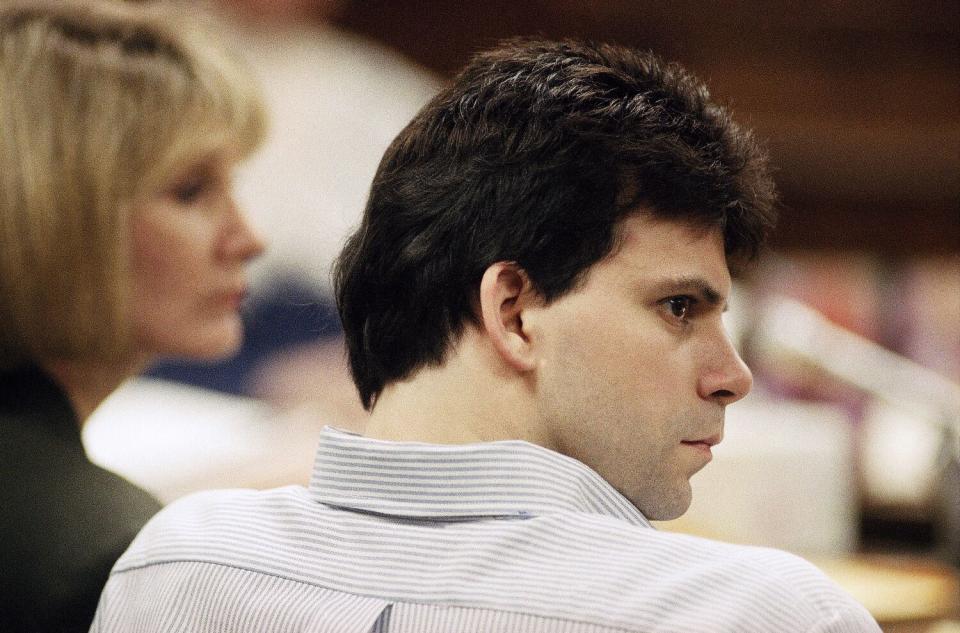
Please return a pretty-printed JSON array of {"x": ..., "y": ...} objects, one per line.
[{"x": 505, "y": 291}]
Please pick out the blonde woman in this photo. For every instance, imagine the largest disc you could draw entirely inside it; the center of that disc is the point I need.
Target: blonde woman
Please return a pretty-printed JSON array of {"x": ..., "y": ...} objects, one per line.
[{"x": 120, "y": 124}]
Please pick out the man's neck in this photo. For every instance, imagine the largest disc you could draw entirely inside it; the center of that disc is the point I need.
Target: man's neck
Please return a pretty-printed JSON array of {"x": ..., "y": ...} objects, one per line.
[{"x": 460, "y": 402}]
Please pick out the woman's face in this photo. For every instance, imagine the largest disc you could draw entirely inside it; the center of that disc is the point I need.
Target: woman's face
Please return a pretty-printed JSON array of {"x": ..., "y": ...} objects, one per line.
[{"x": 190, "y": 249}]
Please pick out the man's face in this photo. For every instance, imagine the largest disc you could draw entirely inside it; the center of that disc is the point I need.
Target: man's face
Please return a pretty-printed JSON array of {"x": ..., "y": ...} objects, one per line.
[{"x": 637, "y": 367}]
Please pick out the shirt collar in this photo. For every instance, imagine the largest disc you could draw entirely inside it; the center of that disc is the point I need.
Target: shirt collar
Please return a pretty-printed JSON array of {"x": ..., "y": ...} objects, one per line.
[{"x": 506, "y": 479}]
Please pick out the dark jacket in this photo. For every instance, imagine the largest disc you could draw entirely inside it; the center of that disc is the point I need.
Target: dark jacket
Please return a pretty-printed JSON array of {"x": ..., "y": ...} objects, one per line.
[{"x": 63, "y": 520}]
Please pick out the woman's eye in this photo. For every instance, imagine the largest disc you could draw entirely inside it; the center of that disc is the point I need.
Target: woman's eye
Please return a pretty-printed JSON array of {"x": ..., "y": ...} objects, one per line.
[
  {"x": 680, "y": 307},
  {"x": 188, "y": 192}
]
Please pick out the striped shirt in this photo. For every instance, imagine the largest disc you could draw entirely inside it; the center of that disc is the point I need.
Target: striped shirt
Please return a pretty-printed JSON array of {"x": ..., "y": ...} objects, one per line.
[{"x": 405, "y": 537}]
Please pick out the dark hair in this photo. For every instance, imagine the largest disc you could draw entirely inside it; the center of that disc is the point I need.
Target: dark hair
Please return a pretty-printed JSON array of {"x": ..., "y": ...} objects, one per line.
[{"x": 533, "y": 154}]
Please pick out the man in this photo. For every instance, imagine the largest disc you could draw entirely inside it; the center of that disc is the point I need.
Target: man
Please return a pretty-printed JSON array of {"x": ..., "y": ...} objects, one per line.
[{"x": 532, "y": 307}]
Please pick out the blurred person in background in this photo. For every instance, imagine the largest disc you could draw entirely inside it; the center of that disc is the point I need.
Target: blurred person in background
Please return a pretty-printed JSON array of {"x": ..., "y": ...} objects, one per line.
[
  {"x": 532, "y": 306},
  {"x": 335, "y": 101},
  {"x": 121, "y": 242}
]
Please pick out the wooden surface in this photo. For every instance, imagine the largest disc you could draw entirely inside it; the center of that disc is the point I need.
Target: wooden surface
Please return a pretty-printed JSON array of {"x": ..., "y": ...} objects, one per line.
[{"x": 898, "y": 590}]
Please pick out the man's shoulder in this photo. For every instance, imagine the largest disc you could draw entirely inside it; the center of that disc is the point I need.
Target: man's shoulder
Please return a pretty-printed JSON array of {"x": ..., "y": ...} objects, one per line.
[
  {"x": 577, "y": 566},
  {"x": 192, "y": 527},
  {"x": 730, "y": 581}
]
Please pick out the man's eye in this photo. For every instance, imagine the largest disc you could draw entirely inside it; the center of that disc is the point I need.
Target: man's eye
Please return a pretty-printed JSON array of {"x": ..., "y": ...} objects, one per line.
[{"x": 680, "y": 307}]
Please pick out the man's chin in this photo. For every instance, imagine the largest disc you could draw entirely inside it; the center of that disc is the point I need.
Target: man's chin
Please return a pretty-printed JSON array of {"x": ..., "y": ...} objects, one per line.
[{"x": 666, "y": 507}]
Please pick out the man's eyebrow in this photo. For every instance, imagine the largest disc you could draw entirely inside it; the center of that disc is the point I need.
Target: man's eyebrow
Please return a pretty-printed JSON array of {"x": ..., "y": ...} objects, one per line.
[{"x": 691, "y": 285}]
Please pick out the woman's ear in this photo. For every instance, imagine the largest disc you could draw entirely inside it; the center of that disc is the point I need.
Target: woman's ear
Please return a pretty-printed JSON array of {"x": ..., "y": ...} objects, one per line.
[{"x": 505, "y": 291}]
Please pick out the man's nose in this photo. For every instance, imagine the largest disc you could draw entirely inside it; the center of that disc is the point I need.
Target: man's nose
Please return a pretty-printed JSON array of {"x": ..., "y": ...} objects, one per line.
[{"x": 726, "y": 379}]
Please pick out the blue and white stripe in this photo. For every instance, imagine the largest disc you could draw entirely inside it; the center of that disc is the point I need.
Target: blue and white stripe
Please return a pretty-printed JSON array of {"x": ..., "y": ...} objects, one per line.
[
  {"x": 496, "y": 479},
  {"x": 406, "y": 537}
]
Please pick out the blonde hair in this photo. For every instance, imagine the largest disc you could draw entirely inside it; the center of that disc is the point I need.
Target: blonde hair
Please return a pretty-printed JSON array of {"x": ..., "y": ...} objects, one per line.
[{"x": 100, "y": 102}]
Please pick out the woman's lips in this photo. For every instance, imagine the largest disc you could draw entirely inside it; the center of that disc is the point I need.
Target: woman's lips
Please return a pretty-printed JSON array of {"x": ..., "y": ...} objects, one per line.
[{"x": 234, "y": 298}]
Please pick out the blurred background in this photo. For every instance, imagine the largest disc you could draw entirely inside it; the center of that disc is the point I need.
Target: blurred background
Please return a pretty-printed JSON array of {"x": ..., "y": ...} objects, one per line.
[{"x": 846, "y": 452}]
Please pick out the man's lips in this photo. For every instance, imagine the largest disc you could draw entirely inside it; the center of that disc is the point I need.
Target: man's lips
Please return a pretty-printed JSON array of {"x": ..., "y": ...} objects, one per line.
[
  {"x": 713, "y": 440},
  {"x": 703, "y": 445}
]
